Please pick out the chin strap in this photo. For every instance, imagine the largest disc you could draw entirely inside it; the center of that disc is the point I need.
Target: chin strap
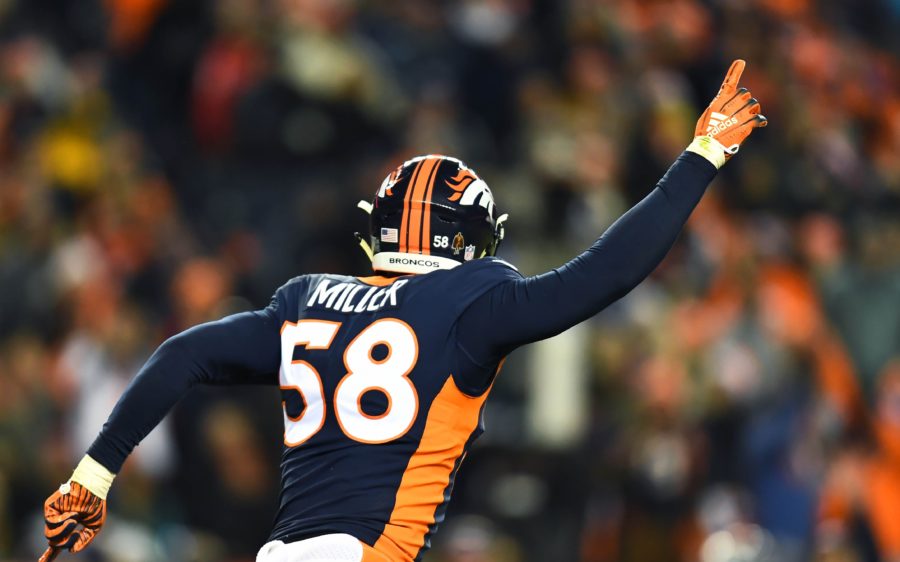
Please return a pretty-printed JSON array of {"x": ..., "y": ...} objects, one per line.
[
  {"x": 499, "y": 235},
  {"x": 364, "y": 245},
  {"x": 367, "y": 207},
  {"x": 501, "y": 230}
]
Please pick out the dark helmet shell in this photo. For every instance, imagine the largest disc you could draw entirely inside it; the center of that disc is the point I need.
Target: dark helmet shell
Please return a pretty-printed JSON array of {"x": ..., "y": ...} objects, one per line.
[{"x": 432, "y": 212}]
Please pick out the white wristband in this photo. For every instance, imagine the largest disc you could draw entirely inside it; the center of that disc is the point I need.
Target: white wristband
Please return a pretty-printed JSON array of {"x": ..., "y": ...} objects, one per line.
[
  {"x": 709, "y": 148},
  {"x": 93, "y": 476}
]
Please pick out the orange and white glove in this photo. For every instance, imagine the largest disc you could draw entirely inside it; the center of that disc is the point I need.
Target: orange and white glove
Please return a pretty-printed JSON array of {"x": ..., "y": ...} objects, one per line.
[
  {"x": 728, "y": 121},
  {"x": 75, "y": 513}
]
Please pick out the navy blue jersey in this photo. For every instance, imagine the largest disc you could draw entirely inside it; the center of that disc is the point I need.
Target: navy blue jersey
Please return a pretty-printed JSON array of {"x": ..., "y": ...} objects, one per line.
[
  {"x": 383, "y": 380},
  {"x": 375, "y": 422}
]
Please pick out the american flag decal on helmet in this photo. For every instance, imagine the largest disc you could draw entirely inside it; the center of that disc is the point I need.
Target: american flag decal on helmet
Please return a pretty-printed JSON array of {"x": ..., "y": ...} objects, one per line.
[{"x": 388, "y": 234}]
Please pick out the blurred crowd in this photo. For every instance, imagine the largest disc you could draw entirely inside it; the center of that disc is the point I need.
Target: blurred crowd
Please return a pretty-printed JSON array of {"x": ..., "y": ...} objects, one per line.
[{"x": 166, "y": 163}]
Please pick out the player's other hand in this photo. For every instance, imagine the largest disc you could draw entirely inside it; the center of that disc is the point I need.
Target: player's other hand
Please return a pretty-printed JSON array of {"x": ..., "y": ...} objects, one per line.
[
  {"x": 731, "y": 116},
  {"x": 73, "y": 516}
]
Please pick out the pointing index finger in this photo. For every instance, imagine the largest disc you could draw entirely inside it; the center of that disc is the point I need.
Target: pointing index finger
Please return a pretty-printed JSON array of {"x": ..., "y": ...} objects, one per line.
[{"x": 734, "y": 75}]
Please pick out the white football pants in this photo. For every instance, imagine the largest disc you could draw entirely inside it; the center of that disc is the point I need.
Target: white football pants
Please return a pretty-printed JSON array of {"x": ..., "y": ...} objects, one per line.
[{"x": 326, "y": 548}]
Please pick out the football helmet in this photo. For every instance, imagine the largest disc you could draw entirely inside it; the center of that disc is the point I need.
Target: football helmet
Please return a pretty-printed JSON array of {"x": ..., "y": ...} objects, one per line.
[{"x": 432, "y": 212}]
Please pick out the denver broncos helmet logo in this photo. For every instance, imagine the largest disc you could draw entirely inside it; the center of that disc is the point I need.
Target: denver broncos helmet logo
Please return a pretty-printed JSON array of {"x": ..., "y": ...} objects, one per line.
[
  {"x": 388, "y": 183},
  {"x": 469, "y": 188},
  {"x": 460, "y": 182}
]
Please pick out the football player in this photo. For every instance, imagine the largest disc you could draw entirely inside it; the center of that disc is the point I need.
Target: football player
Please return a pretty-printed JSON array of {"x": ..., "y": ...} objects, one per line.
[{"x": 384, "y": 378}]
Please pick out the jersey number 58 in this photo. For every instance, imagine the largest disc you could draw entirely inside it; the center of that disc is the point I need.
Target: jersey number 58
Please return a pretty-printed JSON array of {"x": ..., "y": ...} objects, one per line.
[{"x": 364, "y": 373}]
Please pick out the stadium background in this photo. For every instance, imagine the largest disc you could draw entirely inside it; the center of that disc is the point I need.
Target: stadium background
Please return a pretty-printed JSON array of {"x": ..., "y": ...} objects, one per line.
[{"x": 164, "y": 163}]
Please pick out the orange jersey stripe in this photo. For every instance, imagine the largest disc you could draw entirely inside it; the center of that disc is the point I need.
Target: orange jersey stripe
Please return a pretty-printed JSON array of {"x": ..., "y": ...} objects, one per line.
[
  {"x": 378, "y": 280},
  {"x": 452, "y": 418},
  {"x": 404, "y": 222},
  {"x": 372, "y": 555},
  {"x": 426, "y": 177}
]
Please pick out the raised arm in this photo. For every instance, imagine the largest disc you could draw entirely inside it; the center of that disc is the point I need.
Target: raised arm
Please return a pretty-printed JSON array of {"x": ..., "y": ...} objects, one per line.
[
  {"x": 529, "y": 309},
  {"x": 243, "y": 348}
]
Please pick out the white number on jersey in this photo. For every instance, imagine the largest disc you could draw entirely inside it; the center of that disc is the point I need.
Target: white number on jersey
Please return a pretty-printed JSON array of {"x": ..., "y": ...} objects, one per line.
[{"x": 364, "y": 374}]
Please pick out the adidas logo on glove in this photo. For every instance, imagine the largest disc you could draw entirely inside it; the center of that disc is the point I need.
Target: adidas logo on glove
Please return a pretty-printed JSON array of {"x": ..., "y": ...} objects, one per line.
[{"x": 718, "y": 123}]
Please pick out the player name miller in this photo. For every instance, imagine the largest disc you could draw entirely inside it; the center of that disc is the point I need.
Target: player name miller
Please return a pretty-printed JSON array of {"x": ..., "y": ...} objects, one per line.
[{"x": 351, "y": 297}]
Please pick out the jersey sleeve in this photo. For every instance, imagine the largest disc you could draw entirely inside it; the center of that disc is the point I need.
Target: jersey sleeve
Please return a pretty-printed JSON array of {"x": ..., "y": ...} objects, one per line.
[
  {"x": 526, "y": 309},
  {"x": 239, "y": 349}
]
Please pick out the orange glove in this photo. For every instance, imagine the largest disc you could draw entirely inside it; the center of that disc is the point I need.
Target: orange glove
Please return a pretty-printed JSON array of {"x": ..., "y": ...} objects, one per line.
[
  {"x": 50, "y": 554},
  {"x": 73, "y": 516},
  {"x": 731, "y": 116}
]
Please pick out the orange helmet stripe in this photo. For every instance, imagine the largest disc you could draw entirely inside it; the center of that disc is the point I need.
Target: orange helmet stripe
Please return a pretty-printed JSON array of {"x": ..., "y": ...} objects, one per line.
[
  {"x": 417, "y": 203},
  {"x": 426, "y": 215},
  {"x": 404, "y": 222}
]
